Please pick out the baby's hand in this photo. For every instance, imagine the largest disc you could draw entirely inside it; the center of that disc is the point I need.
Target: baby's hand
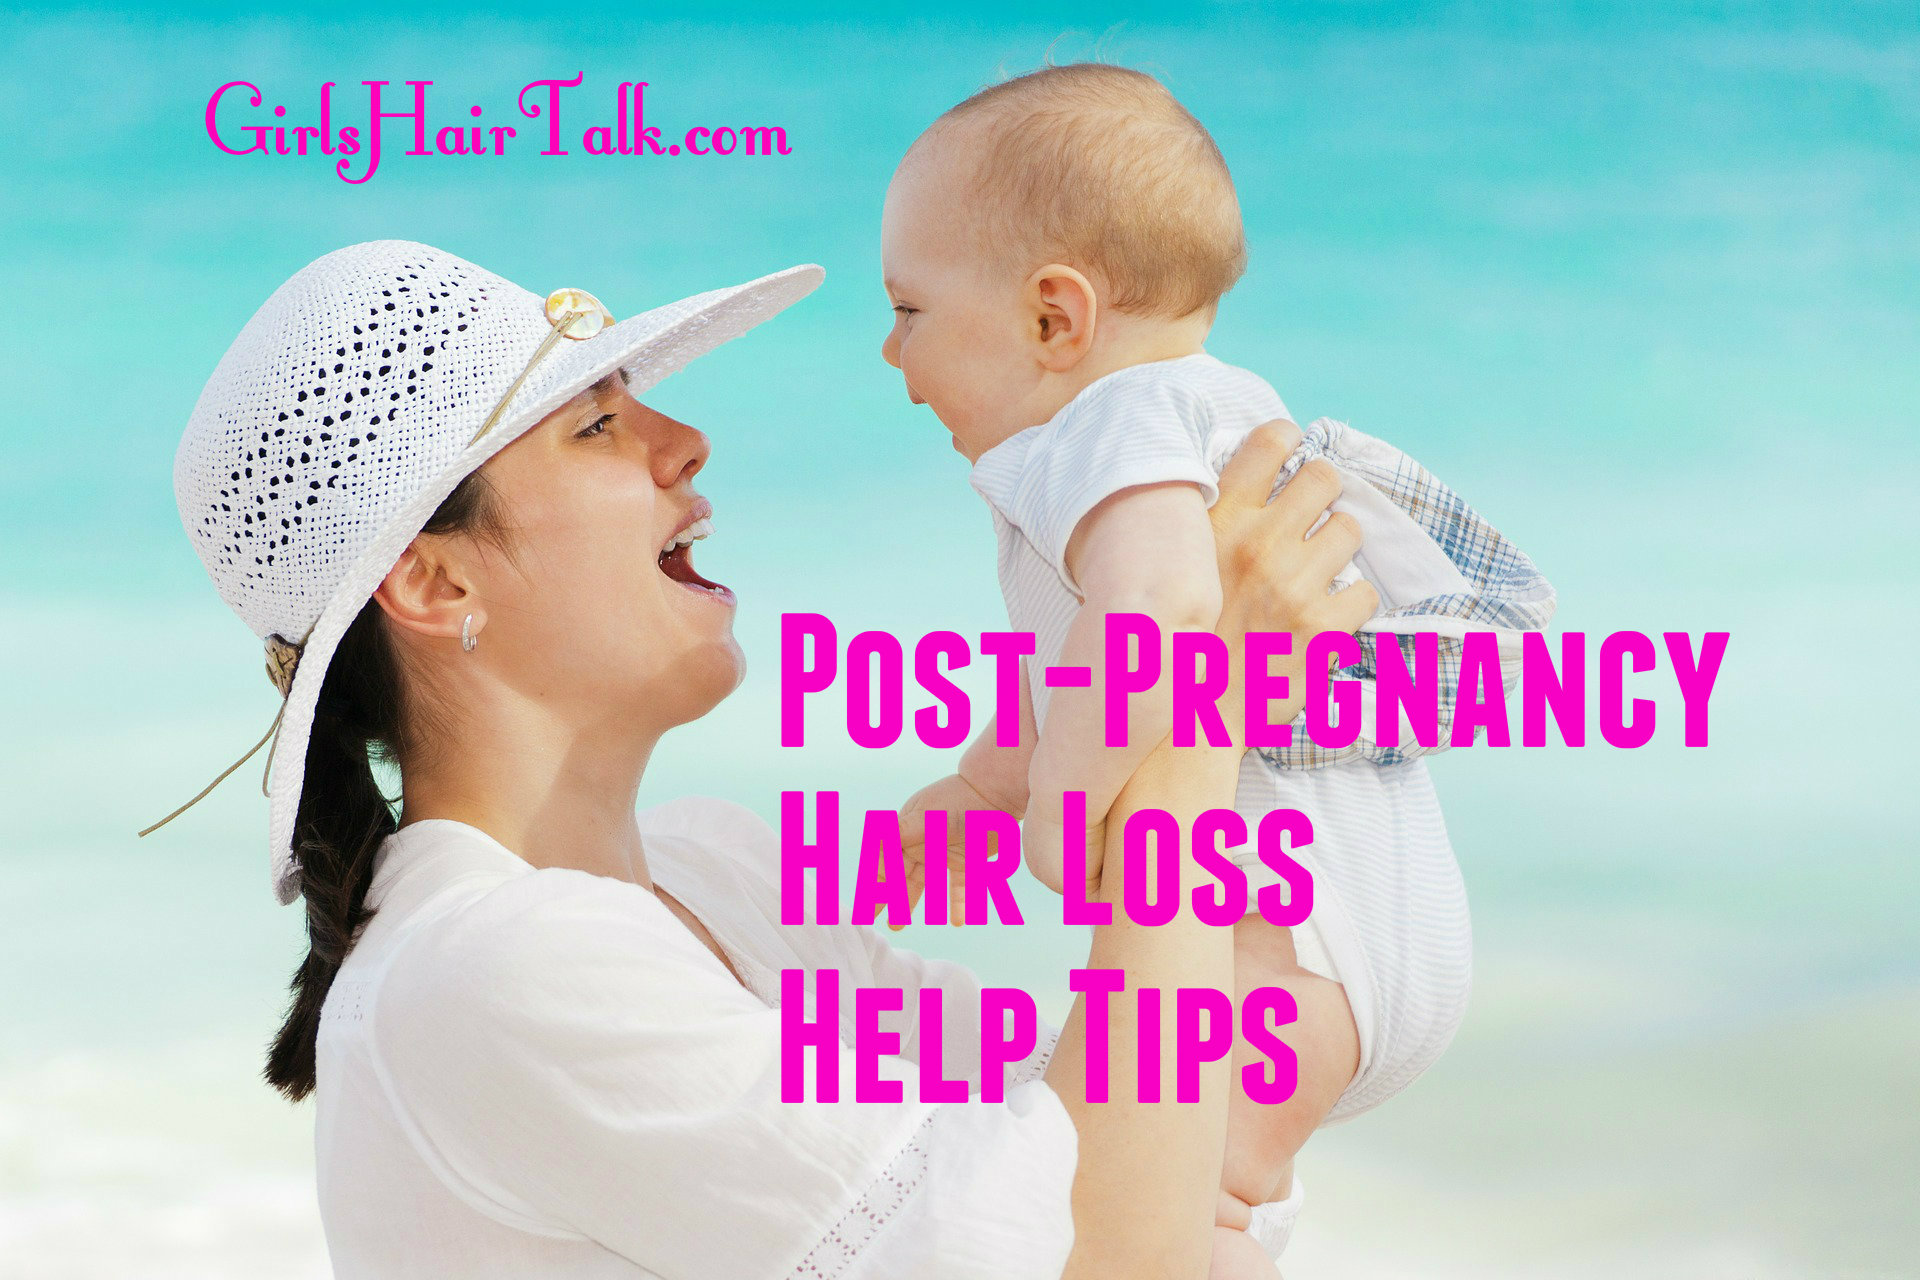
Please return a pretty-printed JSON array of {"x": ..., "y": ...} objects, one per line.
[{"x": 955, "y": 795}]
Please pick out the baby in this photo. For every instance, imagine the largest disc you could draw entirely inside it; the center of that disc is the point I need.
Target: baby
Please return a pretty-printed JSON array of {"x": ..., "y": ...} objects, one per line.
[{"x": 1055, "y": 249}]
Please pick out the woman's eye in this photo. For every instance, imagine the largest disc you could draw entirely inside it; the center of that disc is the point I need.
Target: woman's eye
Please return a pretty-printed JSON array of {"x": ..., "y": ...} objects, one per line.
[{"x": 594, "y": 428}]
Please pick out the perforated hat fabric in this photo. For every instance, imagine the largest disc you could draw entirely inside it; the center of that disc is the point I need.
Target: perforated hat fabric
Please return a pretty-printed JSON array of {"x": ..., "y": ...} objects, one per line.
[{"x": 344, "y": 414}]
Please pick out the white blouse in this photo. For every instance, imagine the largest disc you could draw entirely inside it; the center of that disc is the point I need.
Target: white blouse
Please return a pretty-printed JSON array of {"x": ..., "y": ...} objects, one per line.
[{"x": 541, "y": 1072}]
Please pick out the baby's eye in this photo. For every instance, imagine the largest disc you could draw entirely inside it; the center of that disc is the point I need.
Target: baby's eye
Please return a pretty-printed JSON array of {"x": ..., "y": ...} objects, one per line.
[
  {"x": 901, "y": 309},
  {"x": 594, "y": 428}
]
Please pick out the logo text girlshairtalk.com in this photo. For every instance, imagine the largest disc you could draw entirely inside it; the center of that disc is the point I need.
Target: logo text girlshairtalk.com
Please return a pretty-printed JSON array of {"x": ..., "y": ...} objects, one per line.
[{"x": 356, "y": 129}]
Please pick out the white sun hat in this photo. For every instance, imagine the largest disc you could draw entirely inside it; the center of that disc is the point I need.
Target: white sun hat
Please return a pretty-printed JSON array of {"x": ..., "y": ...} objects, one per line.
[{"x": 353, "y": 402}]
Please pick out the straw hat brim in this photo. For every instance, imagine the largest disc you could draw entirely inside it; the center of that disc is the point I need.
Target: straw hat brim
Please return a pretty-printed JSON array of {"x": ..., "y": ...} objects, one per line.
[{"x": 649, "y": 347}]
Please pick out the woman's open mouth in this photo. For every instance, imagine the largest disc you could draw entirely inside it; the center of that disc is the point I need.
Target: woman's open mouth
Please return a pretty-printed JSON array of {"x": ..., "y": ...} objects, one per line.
[{"x": 676, "y": 561}]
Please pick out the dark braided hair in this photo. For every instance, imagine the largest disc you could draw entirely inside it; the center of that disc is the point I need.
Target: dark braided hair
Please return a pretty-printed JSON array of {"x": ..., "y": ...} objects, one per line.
[{"x": 344, "y": 816}]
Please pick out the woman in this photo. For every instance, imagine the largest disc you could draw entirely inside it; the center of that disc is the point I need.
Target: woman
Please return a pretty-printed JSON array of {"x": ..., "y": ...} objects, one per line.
[{"x": 543, "y": 1031}]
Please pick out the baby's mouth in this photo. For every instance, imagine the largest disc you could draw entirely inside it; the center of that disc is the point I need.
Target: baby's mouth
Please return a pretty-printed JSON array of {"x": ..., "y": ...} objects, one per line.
[{"x": 676, "y": 560}]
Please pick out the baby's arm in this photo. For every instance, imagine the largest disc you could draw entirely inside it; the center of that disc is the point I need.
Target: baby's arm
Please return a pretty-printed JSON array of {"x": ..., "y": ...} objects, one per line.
[
  {"x": 1147, "y": 549},
  {"x": 990, "y": 777},
  {"x": 998, "y": 774}
]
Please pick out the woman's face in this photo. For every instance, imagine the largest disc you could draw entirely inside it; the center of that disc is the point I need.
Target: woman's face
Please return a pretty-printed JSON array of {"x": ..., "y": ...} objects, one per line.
[{"x": 594, "y": 607}]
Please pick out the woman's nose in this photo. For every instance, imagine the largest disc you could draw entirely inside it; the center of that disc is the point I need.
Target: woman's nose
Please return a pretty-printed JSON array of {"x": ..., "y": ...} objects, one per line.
[{"x": 678, "y": 451}]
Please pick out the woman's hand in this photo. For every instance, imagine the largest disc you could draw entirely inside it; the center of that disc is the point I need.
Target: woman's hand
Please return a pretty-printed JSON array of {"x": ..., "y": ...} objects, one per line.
[
  {"x": 1273, "y": 576},
  {"x": 1148, "y": 1182}
]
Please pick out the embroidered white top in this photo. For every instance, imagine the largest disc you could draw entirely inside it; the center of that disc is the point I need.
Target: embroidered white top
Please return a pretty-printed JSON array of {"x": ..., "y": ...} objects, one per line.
[{"x": 531, "y": 1071}]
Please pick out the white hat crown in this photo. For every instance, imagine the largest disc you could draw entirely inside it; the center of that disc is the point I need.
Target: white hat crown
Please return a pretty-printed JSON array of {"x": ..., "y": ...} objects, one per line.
[{"x": 360, "y": 378}]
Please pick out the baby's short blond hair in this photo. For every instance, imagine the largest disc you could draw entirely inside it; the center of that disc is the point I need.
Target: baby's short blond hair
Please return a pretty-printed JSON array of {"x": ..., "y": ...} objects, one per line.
[{"x": 1101, "y": 168}]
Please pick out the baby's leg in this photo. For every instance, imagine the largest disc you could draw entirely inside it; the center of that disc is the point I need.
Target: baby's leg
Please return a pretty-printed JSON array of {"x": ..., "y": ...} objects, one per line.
[
  {"x": 1238, "y": 1256},
  {"x": 1262, "y": 1138}
]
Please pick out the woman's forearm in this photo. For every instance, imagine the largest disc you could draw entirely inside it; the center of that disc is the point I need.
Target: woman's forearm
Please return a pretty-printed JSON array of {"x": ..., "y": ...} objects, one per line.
[
  {"x": 1149, "y": 1173},
  {"x": 1145, "y": 1189}
]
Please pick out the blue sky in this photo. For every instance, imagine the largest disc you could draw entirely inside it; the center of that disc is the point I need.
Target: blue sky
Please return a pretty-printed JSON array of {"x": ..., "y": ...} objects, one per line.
[{"x": 1580, "y": 237}]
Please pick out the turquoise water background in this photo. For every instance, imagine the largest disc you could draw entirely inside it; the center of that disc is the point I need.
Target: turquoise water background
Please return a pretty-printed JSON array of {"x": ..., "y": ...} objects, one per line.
[{"x": 1643, "y": 282}]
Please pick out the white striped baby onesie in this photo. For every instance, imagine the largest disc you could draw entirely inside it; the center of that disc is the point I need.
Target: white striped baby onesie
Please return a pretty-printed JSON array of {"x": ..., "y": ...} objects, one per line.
[{"x": 1389, "y": 918}]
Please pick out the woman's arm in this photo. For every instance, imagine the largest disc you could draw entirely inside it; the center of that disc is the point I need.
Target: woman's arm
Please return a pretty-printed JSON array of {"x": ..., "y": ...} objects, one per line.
[{"x": 1148, "y": 1174}]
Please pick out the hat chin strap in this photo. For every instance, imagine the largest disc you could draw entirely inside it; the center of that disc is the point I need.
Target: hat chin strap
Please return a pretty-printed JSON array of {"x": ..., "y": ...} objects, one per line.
[
  {"x": 283, "y": 656},
  {"x": 559, "y": 331},
  {"x": 273, "y": 732}
]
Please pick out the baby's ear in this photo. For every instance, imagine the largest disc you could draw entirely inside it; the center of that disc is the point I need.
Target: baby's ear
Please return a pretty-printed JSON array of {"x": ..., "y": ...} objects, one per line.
[{"x": 1065, "y": 310}]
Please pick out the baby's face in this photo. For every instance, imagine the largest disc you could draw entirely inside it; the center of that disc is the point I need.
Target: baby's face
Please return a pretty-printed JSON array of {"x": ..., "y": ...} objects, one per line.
[{"x": 959, "y": 332}]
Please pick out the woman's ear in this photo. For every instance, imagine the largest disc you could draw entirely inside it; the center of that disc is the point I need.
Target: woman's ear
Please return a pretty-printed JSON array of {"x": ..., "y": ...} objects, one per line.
[
  {"x": 1064, "y": 311},
  {"x": 427, "y": 592}
]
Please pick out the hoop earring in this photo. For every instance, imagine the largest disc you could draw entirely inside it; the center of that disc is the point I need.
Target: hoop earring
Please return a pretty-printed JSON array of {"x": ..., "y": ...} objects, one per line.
[{"x": 467, "y": 639}]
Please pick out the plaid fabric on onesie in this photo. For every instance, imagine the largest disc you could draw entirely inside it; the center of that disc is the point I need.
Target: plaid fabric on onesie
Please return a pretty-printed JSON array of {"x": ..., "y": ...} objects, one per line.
[{"x": 1498, "y": 589}]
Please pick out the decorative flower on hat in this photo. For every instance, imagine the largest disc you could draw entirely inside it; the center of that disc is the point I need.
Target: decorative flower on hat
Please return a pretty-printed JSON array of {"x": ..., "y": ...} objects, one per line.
[{"x": 589, "y": 315}]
